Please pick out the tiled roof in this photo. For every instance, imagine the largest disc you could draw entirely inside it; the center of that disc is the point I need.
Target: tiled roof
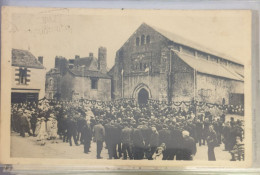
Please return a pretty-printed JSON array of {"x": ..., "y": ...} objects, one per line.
[
  {"x": 84, "y": 61},
  {"x": 25, "y": 58},
  {"x": 208, "y": 67},
  {"x": 183, "y": 41},
  {"x": 88, "y": 73},
  {"x": 53, "y": 71}
]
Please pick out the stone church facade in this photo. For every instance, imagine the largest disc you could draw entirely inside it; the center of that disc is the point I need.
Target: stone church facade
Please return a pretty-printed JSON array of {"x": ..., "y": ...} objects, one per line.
[{"x": 156, "y": 64}]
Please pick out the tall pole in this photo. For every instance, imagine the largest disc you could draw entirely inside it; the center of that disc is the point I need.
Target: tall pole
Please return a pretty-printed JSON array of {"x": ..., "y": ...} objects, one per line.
[
  {"x": 194, "y": 91},
  {"x": 122, "y": 74},
  {"x": 169, "y": 79}
]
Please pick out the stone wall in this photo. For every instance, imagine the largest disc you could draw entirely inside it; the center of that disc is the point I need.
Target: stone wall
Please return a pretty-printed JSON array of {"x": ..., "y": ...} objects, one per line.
[
  {"x": 52, "y": 85},
  {"x": 80, "y": 87},
  {"x": 213, "y": 89},
  {"x": 182, "y": 80},
  {"x": 135, "y": 83}
]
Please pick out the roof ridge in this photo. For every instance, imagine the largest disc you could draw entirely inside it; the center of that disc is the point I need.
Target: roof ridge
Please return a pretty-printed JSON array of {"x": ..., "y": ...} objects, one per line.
[
  {"x": 191, "y": 44},
  {"x": 192, "y": 59}
]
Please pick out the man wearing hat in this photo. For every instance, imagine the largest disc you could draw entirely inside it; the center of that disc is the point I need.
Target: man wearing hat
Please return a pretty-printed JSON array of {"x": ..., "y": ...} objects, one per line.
[
  {"x": 86, "y": 136},
  {"x": 24, "y": 123},
  {"x": 99, "y": 137}
]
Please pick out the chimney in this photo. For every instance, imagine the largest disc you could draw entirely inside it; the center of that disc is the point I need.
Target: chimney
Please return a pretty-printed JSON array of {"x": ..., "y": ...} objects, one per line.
[
  {"x": 40, "y": 59},
  {"x": 90, "y": 54},
  {"x": 76, "y": 57},
  {"x": 102, "y": 59}
]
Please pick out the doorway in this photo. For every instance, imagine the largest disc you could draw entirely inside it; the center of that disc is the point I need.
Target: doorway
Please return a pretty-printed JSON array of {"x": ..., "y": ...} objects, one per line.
[{"x": 143, "y": 97}]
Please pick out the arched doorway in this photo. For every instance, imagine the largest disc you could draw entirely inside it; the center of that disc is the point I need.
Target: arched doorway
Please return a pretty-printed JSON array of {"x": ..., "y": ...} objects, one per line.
[{"x": 143, "y": 96}]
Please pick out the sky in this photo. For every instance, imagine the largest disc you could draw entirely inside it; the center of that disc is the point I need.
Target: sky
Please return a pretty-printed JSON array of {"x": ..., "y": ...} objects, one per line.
[{"x": 70, "y": 32}]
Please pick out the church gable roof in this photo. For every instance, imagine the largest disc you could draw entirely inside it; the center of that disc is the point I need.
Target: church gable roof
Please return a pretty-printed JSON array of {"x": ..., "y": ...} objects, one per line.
[
  {"x": 25, "y": 58},
  {"x": 208, "y": 67},
  {"x": 185, "y": 42}
]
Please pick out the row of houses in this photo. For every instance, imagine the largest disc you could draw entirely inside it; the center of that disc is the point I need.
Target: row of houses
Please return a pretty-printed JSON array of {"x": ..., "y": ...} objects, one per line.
[{"x": 151, "y": 64}]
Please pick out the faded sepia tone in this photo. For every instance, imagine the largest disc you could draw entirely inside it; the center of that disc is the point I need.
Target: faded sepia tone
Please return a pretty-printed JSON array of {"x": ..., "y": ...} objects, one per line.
[{"x": 183, "y": 77}]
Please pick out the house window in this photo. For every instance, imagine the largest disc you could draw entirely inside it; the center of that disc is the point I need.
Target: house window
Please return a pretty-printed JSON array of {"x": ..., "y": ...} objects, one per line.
[
  {"x": 137, "y": 41},
  {"x": 142, "y": 40},
  {"x": 22, "y": 76},
  {"x": 147, "y": 39},
  {"x": 94, "y": 83}
]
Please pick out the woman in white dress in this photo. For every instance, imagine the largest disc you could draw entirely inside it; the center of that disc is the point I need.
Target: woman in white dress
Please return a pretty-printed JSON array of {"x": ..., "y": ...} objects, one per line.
[
  {"x": 48, "y": 127},
  {"x": 53, "y": 128},
  {"x": 42, "y": 132},
  {"x": 38, "y": 125}
]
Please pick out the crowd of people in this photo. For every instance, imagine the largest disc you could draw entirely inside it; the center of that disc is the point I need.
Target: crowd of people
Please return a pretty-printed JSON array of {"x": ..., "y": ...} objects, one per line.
[{"x": 129, "y": 131}]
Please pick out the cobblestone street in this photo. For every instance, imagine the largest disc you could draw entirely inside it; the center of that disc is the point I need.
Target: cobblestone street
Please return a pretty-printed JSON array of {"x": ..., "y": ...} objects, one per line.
[{"x": 29, "y": 148}]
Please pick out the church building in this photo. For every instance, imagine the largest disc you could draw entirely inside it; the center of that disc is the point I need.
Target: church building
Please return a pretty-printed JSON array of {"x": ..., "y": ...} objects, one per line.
[{"x": 159, "y": 65}]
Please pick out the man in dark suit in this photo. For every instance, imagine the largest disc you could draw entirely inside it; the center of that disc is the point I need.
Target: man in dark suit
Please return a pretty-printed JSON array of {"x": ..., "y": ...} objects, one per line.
[
  {"x": 154, "y": 143},
  {"x": 24, "y": 125},
  {"x": 189, "y": 146},
  {"x": 108, "y": 138},
  {"x": 118, "y": 147},
  {"x": 212, "y": 142},
  {"x": 126, "y": 139},
  {"x": 86, "y": 136},
  {"x": 72, "y": 131},
  {"x": 165, "y": 137},
  {"x": 99, "y": 137},
  {"x": 138, "y": 144}
]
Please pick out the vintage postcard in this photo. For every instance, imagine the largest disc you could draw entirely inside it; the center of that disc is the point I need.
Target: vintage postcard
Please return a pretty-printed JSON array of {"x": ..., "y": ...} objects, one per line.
[{"x": 126, "y": 88}]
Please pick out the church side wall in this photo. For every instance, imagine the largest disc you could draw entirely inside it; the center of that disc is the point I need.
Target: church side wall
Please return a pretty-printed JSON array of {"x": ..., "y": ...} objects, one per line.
[
  {"x": 213, "y": 89},
  {"x": 182, "y": 81}
]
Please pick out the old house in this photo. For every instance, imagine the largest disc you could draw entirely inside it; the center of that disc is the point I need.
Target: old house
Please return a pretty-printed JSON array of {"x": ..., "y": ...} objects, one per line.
[
  {"x": 28, "y": 77},
  {"x": 81, "y": 77},
  {"x": 157, "y": 64}
]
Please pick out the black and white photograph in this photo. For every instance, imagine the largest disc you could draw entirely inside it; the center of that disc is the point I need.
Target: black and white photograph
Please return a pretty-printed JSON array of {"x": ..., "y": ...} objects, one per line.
[{"x": 97, "y": 85}]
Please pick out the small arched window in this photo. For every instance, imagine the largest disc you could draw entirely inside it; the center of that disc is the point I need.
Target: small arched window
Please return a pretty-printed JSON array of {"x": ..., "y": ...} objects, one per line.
[
  {"x": 137, "y": 41},
  {"x": 148, "y": 39},
  {"x": 51, "y": 82},
  {"x": 142, "y": 40}
]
